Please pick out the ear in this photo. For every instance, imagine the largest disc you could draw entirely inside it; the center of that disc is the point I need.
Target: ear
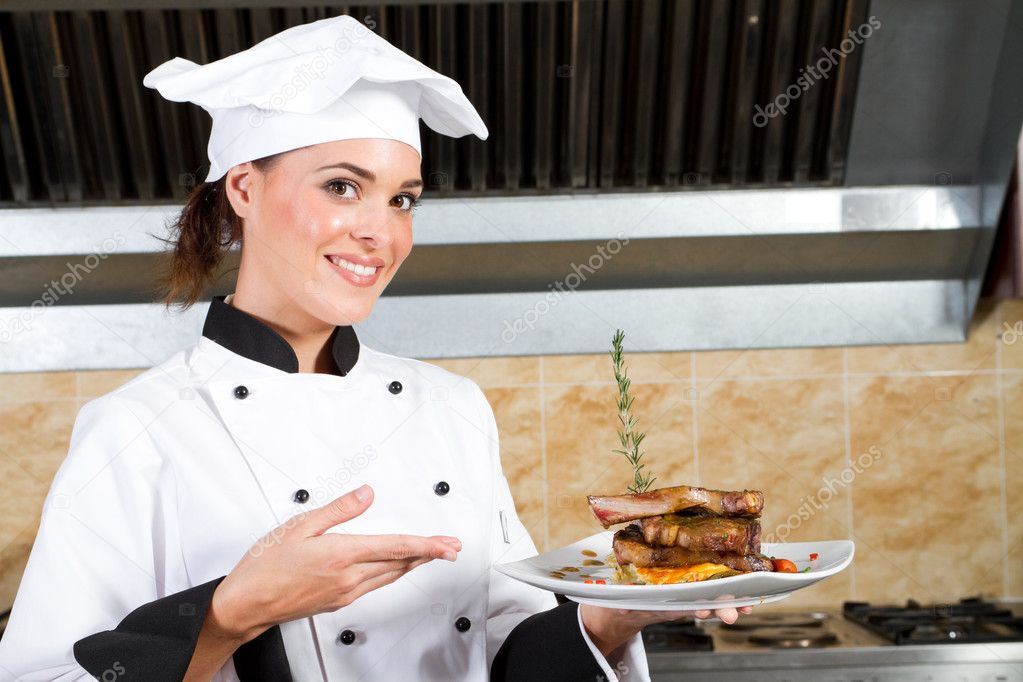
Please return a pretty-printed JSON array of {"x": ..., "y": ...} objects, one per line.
[{"x": 239, "y": 183}]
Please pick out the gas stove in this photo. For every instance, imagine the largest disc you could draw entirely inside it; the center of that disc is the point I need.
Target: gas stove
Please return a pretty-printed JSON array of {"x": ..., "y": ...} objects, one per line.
[
  {"x": 972, "y": 640},
  {"x": 971, "y": 620}
]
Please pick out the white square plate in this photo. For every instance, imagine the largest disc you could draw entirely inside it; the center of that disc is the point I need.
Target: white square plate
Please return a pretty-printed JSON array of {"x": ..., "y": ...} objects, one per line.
[{"x": 748, "y": 589}]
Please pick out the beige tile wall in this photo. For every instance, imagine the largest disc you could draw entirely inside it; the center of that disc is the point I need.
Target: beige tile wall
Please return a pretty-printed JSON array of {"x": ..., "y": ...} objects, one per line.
[{"x": 915, "y": 452}]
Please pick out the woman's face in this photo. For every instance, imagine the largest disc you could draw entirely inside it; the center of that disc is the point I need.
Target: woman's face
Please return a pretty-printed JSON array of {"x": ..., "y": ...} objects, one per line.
[{"x": 328, "y": 227}]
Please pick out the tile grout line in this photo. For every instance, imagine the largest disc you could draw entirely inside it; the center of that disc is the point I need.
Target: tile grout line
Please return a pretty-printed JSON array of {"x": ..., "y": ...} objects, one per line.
[
  {"x": 847, "y": 429},
  {"x": 682, "y": 382},
  {"x": 696, "y": 424},
  {"x": 774, "y": 377},
  {"x": 44, "y": 401},
  {"x": 1000, "y": 402},
  {"x": 543, "y": 461}
]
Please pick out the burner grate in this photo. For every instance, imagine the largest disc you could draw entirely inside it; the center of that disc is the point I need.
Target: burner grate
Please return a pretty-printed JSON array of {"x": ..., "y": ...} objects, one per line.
[
  {"x": 679, "y": 635},
  {"x": 777, "y": 620},
  {"x": 968, "y": 621},
  {"x": 798, "y": 637}
]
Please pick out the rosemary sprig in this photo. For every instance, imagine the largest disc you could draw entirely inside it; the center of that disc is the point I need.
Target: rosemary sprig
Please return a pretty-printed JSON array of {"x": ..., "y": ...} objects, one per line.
[{"x": 628, "y": 436}]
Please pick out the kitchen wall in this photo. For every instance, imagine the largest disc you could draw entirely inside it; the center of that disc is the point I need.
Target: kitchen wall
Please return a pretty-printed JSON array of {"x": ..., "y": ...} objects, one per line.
[{"x": 915, "y": 452}]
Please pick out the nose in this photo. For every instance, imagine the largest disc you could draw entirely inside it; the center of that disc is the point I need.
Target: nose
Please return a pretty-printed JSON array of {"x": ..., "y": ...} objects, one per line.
[{"x": 375, "y": 226}]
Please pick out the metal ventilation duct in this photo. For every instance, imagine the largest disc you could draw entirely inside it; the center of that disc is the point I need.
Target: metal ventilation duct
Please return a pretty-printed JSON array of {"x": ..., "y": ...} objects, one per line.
[{"x": 863, "y": 215}]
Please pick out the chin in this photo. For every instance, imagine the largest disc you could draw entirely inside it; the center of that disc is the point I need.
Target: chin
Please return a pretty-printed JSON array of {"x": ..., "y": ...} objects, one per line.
[{"x": 346, "y": 313}]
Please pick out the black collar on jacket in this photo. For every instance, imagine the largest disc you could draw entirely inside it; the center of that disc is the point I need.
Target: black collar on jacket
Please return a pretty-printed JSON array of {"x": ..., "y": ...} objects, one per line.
[{"x": 241, "y": 333}]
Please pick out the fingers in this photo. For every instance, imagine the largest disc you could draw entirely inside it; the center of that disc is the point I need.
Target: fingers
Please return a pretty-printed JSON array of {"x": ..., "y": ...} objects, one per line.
[
  {"x": 676, "y": 615},
  {"x": 382, "y": 579},
  {"x": 371, "y": 569},
  {"x": 338, "y": 510},
  {"x": 453, "y": 543},
  {"x": 360, "y": 548},
  {"x": 727, "y": 615},
  {"x": 661, "y": 616}
]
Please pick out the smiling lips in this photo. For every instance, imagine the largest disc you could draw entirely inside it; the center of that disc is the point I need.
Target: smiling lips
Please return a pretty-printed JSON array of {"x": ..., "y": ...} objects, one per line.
[{"x": 362, "y": 272}]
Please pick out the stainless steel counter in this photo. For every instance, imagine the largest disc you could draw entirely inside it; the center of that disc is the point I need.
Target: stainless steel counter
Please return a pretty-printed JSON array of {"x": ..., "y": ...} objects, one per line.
[
  {"x": 932, "y": 663},
  {"x": 859, "y": 656}
]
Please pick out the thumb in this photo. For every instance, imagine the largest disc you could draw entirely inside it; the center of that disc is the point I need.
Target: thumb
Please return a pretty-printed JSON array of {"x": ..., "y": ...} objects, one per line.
[{"x": 338, "y": 510}]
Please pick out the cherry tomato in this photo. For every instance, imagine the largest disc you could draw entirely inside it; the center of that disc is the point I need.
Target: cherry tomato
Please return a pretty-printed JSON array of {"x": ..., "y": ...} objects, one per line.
[{"x": 783, "y": 566}]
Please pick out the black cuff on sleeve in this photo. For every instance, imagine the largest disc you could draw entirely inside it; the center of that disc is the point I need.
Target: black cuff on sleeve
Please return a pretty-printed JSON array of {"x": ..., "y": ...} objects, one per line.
[
  {"x": 547, "y": 647},
  {"x": 263, "y": 658},
  {"x": 153, "y": 643}
]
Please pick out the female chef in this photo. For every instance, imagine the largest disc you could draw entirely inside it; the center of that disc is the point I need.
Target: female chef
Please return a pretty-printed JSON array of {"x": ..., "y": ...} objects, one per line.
[{"x": 280, "y": 501}]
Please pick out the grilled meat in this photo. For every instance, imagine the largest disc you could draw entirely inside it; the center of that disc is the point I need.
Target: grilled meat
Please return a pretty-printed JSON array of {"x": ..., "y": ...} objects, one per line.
[
  {"x": 629, "y": 548},
  {"x": 703, "y": 533},
  {"x": 619, "y": 508}
]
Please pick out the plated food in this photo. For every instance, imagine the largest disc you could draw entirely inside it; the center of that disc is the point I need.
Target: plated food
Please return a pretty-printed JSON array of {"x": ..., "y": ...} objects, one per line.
[
  {"x": 684, "y": 547},
  {"x": 590, "y": 583},
  {"x": 683, "y": 534}
]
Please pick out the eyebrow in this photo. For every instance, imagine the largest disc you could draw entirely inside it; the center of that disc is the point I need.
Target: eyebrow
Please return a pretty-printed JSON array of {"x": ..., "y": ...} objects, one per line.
[{"x": 368, "y": 175}]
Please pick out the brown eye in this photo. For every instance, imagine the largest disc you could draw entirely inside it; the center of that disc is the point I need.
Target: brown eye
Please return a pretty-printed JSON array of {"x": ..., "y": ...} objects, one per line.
[
  {"x": 341, "y": 188},
  {"x": 407, "y": 202}
]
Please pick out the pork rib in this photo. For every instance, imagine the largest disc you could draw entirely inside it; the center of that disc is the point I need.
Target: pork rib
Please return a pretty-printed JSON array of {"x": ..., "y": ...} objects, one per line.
[
  {"x": 703, "y": 533},
  {"x": 619, "y": 508},
  {"x": 629, "y": 548}
]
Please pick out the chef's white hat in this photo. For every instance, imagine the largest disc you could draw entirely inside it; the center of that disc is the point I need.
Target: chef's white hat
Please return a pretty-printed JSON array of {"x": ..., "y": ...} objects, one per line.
[{"x": 332, "y": 79}]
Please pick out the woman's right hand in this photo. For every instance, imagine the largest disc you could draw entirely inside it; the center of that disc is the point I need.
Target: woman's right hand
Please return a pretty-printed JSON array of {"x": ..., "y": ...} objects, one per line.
[{"x": 298, "y": 569}]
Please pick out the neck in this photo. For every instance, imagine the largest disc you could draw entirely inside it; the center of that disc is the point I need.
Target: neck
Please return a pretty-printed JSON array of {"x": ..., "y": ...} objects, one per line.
[{"x": 308, "y": 336}]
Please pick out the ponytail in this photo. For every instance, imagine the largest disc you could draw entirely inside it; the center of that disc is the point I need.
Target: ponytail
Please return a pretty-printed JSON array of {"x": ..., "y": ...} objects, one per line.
[{"x": 201, "y": 235}]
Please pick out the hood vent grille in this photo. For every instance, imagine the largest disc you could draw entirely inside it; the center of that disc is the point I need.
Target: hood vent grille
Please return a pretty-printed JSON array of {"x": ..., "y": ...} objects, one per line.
[{"x": 603, "y": 95}]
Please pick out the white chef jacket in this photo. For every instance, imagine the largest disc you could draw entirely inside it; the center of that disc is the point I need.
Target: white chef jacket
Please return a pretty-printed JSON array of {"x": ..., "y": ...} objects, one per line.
[{"x": 173, "y": 476}]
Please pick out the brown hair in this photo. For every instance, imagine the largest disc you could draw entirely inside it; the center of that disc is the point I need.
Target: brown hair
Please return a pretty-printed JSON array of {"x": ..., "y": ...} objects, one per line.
[{"x": 201, "y": 234}]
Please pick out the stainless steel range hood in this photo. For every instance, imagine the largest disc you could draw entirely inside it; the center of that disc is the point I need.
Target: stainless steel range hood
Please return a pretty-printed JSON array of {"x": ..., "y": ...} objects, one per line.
[
  {"x": 696, "y": 270},
  {"x": 889, "y": 248}
]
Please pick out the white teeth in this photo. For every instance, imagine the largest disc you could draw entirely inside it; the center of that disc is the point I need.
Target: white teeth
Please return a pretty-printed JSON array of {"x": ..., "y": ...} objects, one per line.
[{"x": 354, "y": 267}]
